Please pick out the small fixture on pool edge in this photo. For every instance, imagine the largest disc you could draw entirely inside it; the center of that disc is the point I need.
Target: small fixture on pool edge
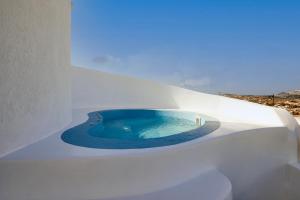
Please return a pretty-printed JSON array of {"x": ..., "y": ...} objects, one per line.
[{"x": 198, "y": 120}]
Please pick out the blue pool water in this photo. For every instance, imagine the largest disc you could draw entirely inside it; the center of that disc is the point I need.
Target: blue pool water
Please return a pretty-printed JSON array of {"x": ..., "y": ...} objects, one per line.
[
  {"x": 143, "y": 126},
  {"x": 138, "y": 128}
]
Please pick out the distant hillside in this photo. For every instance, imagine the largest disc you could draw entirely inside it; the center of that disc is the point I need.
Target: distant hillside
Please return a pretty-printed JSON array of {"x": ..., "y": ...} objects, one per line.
[
  {"x": 289, "y": 94},
  {"x": 287, "y": 100}
]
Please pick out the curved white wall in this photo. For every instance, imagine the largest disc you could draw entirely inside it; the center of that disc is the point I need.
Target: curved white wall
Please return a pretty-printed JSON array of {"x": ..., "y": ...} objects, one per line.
[
  {"x": 34, "y": 70},
  {"x": 92, "y": 88}
]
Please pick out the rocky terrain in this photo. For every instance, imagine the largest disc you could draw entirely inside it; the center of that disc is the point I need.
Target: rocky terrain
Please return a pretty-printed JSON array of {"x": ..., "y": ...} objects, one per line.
[{"x": 286, "y": 100}]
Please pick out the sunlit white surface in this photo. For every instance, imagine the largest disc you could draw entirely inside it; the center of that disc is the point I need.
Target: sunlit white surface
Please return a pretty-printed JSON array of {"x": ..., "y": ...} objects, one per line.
[
  {"x": 252, "y": 147},
  {"x": 253, "y": 154}
]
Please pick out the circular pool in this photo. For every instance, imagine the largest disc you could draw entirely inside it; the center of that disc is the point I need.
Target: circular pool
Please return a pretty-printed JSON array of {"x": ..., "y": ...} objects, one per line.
[{"x": 139, "y": 128}]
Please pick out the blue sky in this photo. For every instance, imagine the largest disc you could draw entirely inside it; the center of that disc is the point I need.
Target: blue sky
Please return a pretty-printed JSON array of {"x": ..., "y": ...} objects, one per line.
[{"x": 227, "y": 46}]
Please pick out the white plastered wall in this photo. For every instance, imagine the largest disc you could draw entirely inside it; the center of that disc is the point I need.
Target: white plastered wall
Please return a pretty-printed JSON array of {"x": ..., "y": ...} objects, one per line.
[
  {"x": 34, "y": 70},
  {"x": 92, "y": 88}
]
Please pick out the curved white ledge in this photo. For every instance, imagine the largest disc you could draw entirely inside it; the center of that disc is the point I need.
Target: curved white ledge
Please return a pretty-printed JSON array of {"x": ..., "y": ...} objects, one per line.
[{"x": 252, "y": 147}]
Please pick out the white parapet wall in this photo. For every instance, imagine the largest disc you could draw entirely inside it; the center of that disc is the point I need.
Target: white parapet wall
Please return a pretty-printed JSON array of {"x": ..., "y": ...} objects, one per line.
[
  {"x": 34, "y": 70},
  {"x": 91, "y": 88}
]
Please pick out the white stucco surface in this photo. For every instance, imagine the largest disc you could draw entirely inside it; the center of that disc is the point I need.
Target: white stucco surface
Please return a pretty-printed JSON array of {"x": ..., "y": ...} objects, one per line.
[
  {"x": 252, "y": 157},
  {"x": 250, "y": 153},
  {"x": 92, "y": 88},
  {"x": 34, "y": 70},
  {"x": 210, "y": 184},
  {"x": 252, "y": 147}
]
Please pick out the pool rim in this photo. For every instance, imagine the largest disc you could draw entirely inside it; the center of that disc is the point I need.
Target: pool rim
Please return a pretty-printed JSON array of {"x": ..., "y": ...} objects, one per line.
[{"x": 211, "y": 124}]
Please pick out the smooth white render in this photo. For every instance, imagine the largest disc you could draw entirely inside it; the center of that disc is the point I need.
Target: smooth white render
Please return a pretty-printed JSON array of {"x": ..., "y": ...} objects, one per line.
[
  {"x": 92, "y": 88},
  {"x": 35, "y": 96},
  {"x": 248, "y": 158},
  {"x": 199, "y": 187},
  {"x": 252, "y": 148}
]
